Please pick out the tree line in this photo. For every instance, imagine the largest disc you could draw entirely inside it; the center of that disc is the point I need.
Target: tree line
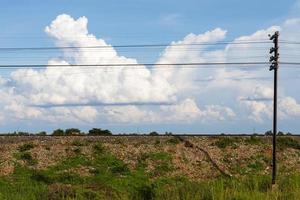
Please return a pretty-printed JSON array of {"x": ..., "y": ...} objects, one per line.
[
  {"x": 66, "y": 132},
  {"x": 105, "y": 132}
]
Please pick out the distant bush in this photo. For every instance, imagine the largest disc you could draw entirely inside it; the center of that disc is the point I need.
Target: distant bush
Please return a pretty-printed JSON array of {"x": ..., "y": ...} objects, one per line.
[
  {"x": 280, "y": 133},
  {"x": 268, "y": 133},
  {"x": 58, "y": 132},
  {"x": 42, "y": 133},
  {"x": 72, "y": 131},
  {"x": 20, "y": 133},
  {"x": 153, "y": 133},
  {"x": 99, "y": 132}
]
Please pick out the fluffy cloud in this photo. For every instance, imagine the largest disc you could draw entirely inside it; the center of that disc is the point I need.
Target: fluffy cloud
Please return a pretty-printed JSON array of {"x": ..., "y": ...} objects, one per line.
[
  {"x": 188, "y": 111},
  {"x": 64, "y": 94}
]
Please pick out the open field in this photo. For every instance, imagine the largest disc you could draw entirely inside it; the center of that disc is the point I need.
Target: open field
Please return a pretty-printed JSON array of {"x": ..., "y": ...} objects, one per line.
[{"x": 147, "y": 167}]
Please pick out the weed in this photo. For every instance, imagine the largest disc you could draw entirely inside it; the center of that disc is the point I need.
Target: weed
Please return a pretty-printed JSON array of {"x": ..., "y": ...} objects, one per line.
[
  {"x": 288, "y": 142},
  {"x": 157, "y": 142},
  {"x": 48, "y": 148},
  {"x": 77, "y": 150},
  {"x": 60, "y": 191},
  {"x": 256, "y": 165},
  {"x": 223, "y": 142},
  {"x": 78, "y": 143},
  {"x": 253, "y": 140},
  {"x": 173, "y": 140},
  {"x": 26, "y": 147},
  {"x": 160, "y": 160},
  {"x": 98, "y": 148},
  {"x": 27, "y": 157}
]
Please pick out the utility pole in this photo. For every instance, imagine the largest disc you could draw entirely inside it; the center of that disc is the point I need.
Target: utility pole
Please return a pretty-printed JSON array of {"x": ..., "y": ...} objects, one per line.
[{"x": 274, "y": 66}]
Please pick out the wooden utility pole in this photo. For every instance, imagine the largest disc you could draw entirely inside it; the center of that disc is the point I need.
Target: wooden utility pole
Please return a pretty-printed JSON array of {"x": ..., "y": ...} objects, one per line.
[{"x": 274, "y": 66}]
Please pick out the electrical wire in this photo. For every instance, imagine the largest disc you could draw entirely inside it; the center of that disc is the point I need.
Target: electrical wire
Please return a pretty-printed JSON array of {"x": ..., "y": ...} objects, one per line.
[{"x": 127, "y": 46}]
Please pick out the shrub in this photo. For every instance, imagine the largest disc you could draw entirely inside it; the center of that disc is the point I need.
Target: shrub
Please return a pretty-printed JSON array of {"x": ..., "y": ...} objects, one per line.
[
  {"x": 168, "y": 133},
  {"x": 145, "y": 192},
  {"x": 223, "y": 142},
  {"x": 58, "y": 132},
  {"x": 77, "y": 143},
  {"x": 160, "y": 160},
  {"x": 153, "y": 133},
  {"x": 157, "y": 142},
  {"x": 256, "y": 165},
  {"x": 42, "y": 133},
  {"x": 77, "y": 150},
  {"x": 26, "y": 156},
  {"x": 72, "y": 131},
  {"x": 98, "y": 148},
  {"x": 99, "y": 132},
  {"x": 21, "y": 133},
  {"x": 61, "y": 191},
  {"x": 41, "y": 177},
  {"x": 268, "y": 133},
  {"x": 26, "y": 147},
  {"x": 119, "y": 167},
  {"x": 280, "y": 133},
  {"x": 173, "y": 140}
]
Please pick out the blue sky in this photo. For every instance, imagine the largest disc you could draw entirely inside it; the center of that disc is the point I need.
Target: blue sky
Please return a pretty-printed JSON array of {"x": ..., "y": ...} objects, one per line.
[
  {"x": 215, "y": 108},
  {"x": 140, "y": 21}
]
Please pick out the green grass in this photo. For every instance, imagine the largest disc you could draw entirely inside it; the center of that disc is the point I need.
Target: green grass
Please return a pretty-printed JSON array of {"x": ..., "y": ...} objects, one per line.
[
  {"x": 173, "y": 140},
  {"x": 253, "y": 140},
  {"x": 224, "y": 142},
  {"x": 288, "y": 142}
]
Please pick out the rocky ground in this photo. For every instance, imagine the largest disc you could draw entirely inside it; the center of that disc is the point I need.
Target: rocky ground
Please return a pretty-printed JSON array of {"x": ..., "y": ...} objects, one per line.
[{"x": 235, "y": 156}]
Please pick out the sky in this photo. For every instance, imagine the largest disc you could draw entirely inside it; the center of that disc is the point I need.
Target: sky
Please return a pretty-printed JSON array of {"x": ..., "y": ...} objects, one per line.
[{"x": 223, "y": 99}]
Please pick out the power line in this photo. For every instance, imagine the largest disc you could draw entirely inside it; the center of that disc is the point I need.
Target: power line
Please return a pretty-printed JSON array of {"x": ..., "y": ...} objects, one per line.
[
  {"x": 122, "y": 65},
  {"x": 289, "y": 42},
  {"x": 289, "y": 63},
  {"x": 128, "y": 46}
]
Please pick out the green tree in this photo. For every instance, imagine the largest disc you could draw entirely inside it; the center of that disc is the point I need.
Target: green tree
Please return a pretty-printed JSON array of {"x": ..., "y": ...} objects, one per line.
[
  {"x": 99, "y": 131},
  {"x": 42, "y": 133},
  {"x": 268, "y": 133},
  {"x": 72, "y": 131},
  {"x": 58, "y": 132},
  {"x": 280, "y": 133},
  {"x": 153, "y": 133}
]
